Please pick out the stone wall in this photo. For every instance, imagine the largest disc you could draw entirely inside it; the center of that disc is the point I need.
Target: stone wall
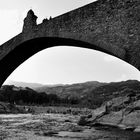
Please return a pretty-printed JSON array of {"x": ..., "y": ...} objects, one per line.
[{"x": 110, "y": 26}]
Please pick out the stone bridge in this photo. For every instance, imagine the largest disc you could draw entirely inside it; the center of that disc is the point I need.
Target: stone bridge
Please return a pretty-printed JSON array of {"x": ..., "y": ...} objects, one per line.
[{"x": 110, "y": 26}]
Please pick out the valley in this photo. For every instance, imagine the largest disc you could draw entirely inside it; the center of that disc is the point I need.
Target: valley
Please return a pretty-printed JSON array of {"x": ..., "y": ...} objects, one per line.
[{"x": 101, "y": 111}]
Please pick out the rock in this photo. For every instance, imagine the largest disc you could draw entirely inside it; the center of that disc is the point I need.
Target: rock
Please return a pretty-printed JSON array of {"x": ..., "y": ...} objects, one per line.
[
  {"x": 136, "y": 103},
  {"x": 130, "y": 128},
  {"x": 67, "y": 121},
  {"x": 46, "y": 133},
  {"x": 137, "y": 129},
  {"x": 114, "y": 118},
  {"x": 77, "y": 129},
  {"x": 132, "y": 119},
  {"x": 50, "y": 133},
  {"x": 83, "y": 120},
  {"x": 121, "y": 126},
  {"x": 91, "y": 118},
  {"x": 99, "y": 111},
  {"x": 122, "y": 112},
  {"x": 118, "y": 103}
]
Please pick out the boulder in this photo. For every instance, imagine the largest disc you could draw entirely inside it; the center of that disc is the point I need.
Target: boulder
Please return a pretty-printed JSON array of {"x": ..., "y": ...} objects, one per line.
[
  {"x": 91, "y": 118},
  {"x": 132, "y": 119},
  {"x": 122, "y": 112},
  {"x": 113, "y": 118},
  {"x": 83, "y": 121},
  {"x": 118, "y": 103},
  {"x": 137, "y": 104},
  {"x": 137, "y": 129},
  {"x": 99, "y": 111}
]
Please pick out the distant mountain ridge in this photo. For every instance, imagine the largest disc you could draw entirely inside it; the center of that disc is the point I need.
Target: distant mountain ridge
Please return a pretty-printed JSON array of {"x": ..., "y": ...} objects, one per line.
[
  {"x": 31, "y": 85},
  {"x": 79, "y": 90},
  {"x": 62, "y": 90},
  {"x": 71, "y": 90},
  {"x": 90, "y": 89},
  {"x": 90, "y": 94},
  {"x": 25, "y": 84}
]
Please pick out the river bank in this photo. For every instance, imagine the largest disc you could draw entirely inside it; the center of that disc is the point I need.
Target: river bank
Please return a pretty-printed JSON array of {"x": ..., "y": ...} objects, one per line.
[
  {"x": 63, "y": 123},
  {"x": 120, "y": 112},
  {"x": 8, "y": 108},
  {"x": 58, "y": 110},
  {"x": 56, "y": 127}
]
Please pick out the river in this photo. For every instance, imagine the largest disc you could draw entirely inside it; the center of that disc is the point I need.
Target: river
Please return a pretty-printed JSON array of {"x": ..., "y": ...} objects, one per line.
[{"x": 56, "y": 127}]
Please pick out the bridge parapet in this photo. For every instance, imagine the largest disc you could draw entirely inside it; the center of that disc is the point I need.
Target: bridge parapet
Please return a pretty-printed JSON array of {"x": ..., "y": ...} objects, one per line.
[{"x": 92, "y": 23}]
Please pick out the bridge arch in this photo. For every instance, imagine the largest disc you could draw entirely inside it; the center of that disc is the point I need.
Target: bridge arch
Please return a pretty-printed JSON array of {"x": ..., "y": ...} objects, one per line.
[{"x": 28, "y": 48}]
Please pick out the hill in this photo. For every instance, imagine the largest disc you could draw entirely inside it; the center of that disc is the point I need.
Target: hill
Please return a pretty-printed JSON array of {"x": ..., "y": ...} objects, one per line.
[
  {"x": 93, "y": 94},
  {"x": 24, "y": 84},
  {"x": 74, "y": 90},
  {"x": 111, "y": 90},
  {"x": 88, "y": 94}
]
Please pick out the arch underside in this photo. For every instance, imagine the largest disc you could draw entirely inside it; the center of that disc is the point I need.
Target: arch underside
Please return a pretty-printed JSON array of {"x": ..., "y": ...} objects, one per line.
[{"x": 25, "y": 50}]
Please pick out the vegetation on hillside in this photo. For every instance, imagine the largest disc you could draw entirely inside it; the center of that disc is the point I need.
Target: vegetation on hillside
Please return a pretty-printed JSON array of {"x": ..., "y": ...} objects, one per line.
[
  {"x": 27, "y": 96},
  {"x": 89, "y": 94}
]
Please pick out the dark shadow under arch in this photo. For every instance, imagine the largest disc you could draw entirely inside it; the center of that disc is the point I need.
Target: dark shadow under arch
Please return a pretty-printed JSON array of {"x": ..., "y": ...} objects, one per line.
[{"x": 25, "y": 50}]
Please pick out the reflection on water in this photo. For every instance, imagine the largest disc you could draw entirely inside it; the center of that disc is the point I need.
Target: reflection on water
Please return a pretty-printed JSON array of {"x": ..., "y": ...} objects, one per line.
[{"x": 56, "y": 127}]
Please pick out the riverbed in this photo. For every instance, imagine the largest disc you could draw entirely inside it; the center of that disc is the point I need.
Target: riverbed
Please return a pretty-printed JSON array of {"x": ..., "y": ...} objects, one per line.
[{"x": 56, "y": 127}]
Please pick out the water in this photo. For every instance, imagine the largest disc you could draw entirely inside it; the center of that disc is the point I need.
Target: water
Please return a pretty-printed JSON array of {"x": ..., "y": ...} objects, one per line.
[{"x": 56, "y": 127}]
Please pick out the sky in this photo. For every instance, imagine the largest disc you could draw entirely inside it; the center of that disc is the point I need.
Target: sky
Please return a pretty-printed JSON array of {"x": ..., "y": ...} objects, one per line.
[{"x": 60, "y": 64}]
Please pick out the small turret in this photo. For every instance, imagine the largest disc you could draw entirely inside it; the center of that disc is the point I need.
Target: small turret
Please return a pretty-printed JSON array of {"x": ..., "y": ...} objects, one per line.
[
  {"x": 30, "y": 21},
  {"x": 50, "y": 18}
]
